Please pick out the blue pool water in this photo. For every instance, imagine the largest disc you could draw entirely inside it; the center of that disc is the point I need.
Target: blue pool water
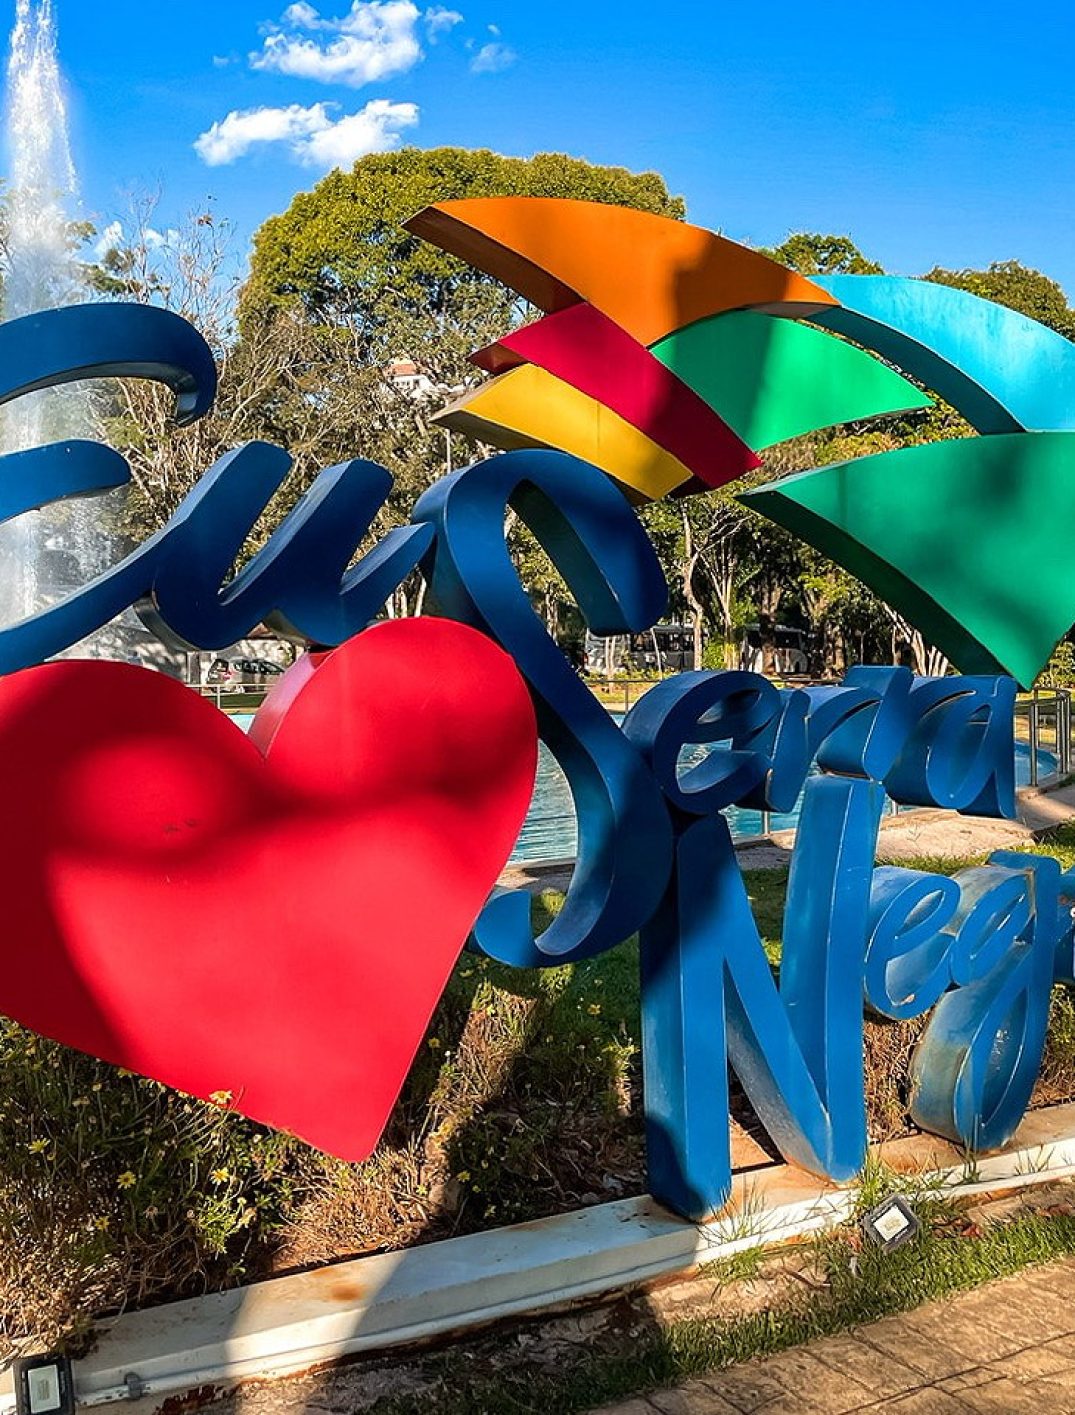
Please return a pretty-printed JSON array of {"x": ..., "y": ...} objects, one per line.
[{"x": 550, "y": 831}]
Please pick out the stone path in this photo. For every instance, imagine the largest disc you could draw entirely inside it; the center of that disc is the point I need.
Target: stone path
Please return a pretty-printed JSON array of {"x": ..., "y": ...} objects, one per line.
[{"x": 1003, "y": 1349}]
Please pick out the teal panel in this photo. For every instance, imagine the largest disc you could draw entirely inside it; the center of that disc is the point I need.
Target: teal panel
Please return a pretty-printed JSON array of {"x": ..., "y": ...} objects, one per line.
[
  {"x": 970, "y": 540},
  {"x": 771, "y": 379},
  {"x": 1001, "y": 370}
]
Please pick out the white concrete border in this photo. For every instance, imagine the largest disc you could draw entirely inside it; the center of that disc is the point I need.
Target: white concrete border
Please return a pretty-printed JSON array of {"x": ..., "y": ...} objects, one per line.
[{"x": 290, "y": 1324}]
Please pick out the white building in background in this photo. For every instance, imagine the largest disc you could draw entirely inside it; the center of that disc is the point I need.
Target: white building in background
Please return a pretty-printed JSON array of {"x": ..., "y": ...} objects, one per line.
[{"x": 408, "y": 378}]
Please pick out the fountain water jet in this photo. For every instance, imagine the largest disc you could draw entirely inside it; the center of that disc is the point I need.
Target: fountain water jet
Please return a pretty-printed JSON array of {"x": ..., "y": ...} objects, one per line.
[
  {"x": 45, "y": 554},
  {"x": 40, "y": 271}
]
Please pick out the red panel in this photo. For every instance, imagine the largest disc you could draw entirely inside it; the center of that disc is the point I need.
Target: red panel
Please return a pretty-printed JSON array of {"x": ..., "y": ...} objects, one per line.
[
  {"x": 585, "y": 349},
  {"x": 280, "y": 926}
]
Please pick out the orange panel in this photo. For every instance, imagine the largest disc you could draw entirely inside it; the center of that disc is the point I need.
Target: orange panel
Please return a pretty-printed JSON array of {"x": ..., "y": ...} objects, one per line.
[{"x": 650, "y": 274}]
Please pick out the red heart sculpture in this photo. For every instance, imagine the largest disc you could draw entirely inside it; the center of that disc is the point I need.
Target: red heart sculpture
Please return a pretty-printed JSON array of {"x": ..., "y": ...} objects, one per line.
[{"x": 273, "y": 917}]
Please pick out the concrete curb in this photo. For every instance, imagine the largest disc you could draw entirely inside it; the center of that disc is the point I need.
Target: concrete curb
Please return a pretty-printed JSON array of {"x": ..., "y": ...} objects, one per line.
[{"x": 291, "y": 1324}]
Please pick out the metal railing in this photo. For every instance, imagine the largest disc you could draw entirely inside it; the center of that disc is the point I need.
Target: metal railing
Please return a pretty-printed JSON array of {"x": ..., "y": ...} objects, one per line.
[
  {"x": 250, "y": 693},
  {"x": 621, "y": 694},
  {"x": 1047, "y": 715}
]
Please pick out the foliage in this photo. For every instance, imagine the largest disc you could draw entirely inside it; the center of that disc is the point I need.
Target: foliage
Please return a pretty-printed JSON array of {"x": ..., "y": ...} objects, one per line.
[
  {"x": 1059, "y": 672},
  {"x": 115, "y": 1190},
  {"x": 337, "y": 292},
  {"x": 813, "y": 254},
  {"x": 340, "y": 252},
  {"x": 339, "y": 266}
]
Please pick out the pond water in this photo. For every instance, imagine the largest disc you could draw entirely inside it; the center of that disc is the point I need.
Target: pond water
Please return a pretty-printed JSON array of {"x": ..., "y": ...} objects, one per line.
[{"x": 550, "y": 830}]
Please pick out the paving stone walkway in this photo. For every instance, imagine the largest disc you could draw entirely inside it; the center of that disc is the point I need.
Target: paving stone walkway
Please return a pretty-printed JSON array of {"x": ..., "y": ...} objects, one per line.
[{"x": 1003, "y": 1349}]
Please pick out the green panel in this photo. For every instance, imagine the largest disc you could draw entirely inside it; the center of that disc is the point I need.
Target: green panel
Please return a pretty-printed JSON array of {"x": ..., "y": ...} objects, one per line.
[
  {"x": 970, "y": 540},
  {"x": 771, "y": 379}
]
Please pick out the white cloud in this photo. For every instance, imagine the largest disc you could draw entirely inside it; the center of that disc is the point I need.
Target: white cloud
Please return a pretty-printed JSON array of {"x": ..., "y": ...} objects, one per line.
[
  {"x": 156, "y": 239},
  {"x": 114, "y": 237},
  {"x": 312, "y": 136},
  {"x": 377, "y": 128},
  {"x": 303, "y": 15},
  {"x": 109, "y": 239},
  {"x": 492, "y": 58},
  {"x": 439, "y": 20},
  {"x": 374, "y": 40}
]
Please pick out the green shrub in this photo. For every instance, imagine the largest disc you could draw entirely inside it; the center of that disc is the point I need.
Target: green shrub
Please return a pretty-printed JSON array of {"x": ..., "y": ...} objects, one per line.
[
  {"x": 116, "y": 1190},
  {"x": 1059, "y": 672}
]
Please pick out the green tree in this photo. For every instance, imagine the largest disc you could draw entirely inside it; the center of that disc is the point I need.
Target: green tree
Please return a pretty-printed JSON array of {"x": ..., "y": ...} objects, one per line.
[
  {"x": 340, "y": 253},
  {"x": 810, "y": 253}
]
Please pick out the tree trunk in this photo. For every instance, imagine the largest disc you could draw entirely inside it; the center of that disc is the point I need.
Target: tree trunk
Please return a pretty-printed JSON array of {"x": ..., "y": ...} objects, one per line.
[{"x": 694, "y": 604}]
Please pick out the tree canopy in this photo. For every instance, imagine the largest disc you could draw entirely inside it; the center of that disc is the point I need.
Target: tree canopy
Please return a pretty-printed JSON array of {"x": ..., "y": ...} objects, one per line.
[
  {"x": 341, "y": 255},
  {"x": 810, "y": 253}
]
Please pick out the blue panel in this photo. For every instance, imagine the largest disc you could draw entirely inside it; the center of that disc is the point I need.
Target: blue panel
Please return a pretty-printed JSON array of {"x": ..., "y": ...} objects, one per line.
[
  {"x": 299, "y": 581},
  {"x": 959, "y": 753},
  {"x": 908, "y": 966},
  {"x": 41, "y": 475},
  {"x": 78, "y": 342},
  {"x": 175, "y": 576},
  {"x": 1002, "y": 371}
]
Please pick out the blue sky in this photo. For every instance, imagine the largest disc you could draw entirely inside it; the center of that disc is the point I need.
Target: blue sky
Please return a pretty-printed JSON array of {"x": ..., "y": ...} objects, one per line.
[{"x": 932, "y": 133}]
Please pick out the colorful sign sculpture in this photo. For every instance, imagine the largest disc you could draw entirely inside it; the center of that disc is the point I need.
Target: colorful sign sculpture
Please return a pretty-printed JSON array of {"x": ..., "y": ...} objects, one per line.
[
  {"x": 608, "y": 376},
  {"x": 668, "y": 379},
  {"x": 365, "y": 821},
  {"x": 656, "y": 855}
]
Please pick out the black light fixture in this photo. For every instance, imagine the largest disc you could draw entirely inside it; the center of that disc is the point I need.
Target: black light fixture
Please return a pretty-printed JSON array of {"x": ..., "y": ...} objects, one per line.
[
  {"x": 891, "y": 1224},
  {"x": 44, "y": 1385}
]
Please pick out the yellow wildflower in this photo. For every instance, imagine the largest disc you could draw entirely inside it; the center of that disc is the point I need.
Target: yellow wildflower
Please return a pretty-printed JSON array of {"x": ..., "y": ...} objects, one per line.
[{"x": 127, "y": 1180}]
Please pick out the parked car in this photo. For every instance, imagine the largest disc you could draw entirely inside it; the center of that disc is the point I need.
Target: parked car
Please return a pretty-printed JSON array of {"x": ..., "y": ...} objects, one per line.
[
  {"x": 236, "y": 672},
  {"x": 791, "y": 650},
  {"x": 666, "y": 648}
]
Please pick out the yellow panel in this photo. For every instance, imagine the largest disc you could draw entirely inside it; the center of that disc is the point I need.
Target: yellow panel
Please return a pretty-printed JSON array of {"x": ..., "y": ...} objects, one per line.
[{"x": 528, "y": 407}]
